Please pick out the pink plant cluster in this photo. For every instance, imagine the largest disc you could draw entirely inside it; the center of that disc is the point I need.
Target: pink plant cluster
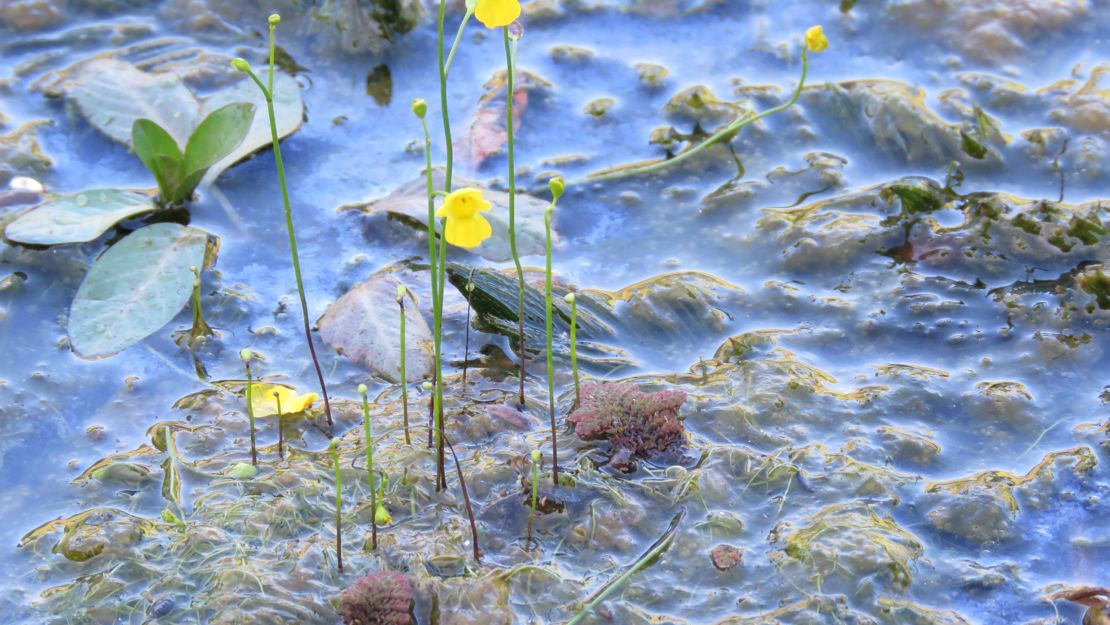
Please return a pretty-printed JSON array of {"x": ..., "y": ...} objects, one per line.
[
  {"x": 636, "y": 423},
  {"x": 383, "y": 598}
]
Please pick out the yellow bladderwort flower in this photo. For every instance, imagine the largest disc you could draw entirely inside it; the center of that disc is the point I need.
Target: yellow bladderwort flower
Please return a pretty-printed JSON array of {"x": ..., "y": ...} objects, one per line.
[
  {"x": 465, "y": 227},
  {"x": 265, "y": 404},
  {"x": 497, "y": 13},
  {"x": 816, "y": 40}
]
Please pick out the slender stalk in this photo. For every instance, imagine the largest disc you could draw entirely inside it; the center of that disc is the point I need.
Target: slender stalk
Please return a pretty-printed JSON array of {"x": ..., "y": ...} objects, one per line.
[
  {"x": 466, "y": 500},
  {"x": 338, "y": 503},
  {"x": 547, "y": 214},
  {"x": 466, "y": 341},
  {"x": 573, "y": 301},
  {"x": 281, "y": 430},
  {"x": 715, "y": 138},
  {"x": 441, "y": 475},
  {"x": 370, "y": 467},
  {"x": 404, "y": 377},
  {"x": 441, "y": 457},
  {"x": 246, "y": 356},
  {"x": 537, "y": 455},
  {"x": 268, "y": 92},
  {"x": 458, "y": 38},
  {"x": 510, "y": 73}
]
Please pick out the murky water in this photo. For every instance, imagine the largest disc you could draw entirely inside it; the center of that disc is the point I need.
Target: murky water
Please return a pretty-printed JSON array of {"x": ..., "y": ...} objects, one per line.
[{"x": 895, "y": 404}]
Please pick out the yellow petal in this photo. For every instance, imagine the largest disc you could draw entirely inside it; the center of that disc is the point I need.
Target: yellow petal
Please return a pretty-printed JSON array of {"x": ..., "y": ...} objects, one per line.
[
  {"x": 497, "y": 13},
  {"x": 265, "y": 404},
  {"x": 463, "y": 203},
  {"x": 468, "y": 232},
  {"x": 815, "y": 39}
]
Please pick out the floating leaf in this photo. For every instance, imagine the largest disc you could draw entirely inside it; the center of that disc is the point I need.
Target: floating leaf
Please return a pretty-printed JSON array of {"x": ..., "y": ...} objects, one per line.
[
  {"x": 78, "y": 217},
  {"x": 364, "y": 325},
  {"x": 409, "y": 203},
  {"x": 135, "y": 288}
]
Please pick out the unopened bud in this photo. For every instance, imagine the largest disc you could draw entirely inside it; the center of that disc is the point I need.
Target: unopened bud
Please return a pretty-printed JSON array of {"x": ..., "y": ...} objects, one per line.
[
  {"x": 419, "y": 107},
  {"x": 245, "y": 354},
  {"x": 274, "y": 19},
  {"x": 362, "y": 389},
  {"x": 240, "y": 64},
  {"x": 569, "y": 298},
  {"x": 557, "y": 185}
]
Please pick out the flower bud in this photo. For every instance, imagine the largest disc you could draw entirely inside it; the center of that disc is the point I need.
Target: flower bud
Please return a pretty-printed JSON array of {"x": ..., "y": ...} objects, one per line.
[
  {"x": 401, "y": 290},
  {"x": 243, "y": 471},
  {"x": 427, "y": 386},
  {"x": 382, "y": 516},
  {"x": 569, "y": 298},
  {"x": 537, "y": 455},
  {"x": 274, "y": 19},
  {"x": 245, "y": 354},
  {"x": 557, "y": 185},
  {"x": 362, "y": 389},
  {"x": 334, "y": 445},
  {"x": 241, "y": 64},
  {"x": 419, "y": 107},
  {"x": 816, "y": 40}
]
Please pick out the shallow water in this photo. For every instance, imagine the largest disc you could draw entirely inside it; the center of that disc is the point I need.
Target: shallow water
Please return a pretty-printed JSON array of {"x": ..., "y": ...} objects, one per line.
[{"x": 907, "y": 427}]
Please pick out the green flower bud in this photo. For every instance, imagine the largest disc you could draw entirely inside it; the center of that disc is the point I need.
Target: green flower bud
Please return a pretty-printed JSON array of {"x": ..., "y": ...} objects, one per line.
[
  {"x": 382, "y": 516},
  {"x": 419, "y": 107},
  {"x": 274, "y": 19},
  {"x": 242, "y": 471},
  {"x": 401, "y": 290},
  {"x": 245, "y": 354},
  {"x": 557, "y": 186},
  {"x": 537, "y": 455},
  {"x": 334, "y": 443},
  {"x": 240, "y": 64},
  {"x": 569, "y": 298},
  {"x": 427, "y": 386},
  {"x": 362, "y": 389}
]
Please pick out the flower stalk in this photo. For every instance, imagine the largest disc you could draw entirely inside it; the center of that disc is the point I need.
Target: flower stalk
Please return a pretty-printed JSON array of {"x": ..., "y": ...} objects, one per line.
[
  {"x": 334, "y": 446},
  {"x": 510, "y": 74},
  {"x": 280, "y": 426},
  {"x": 370, "y": 466},
  {"x": 557, "y": 187},
  {"x": 573, "y": 301},
  {"x": 401, "y": 292},
  {"x": 245, "y": 355},
  {"x": 268, "y": 92}
]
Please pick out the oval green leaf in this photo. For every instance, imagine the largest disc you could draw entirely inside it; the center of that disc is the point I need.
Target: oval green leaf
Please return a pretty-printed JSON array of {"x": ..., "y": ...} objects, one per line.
[
  {"x": 221, "y": 132},
  {"x": 135, "y": 288},
  {"x": 78, "y": 217}
]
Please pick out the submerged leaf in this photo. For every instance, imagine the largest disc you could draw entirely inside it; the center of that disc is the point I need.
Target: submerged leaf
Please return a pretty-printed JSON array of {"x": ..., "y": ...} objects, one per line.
[
  {"x": 364, "y": 325},
  {"x": 78, "y": 217},
  {"x": 135, "y": 288}
]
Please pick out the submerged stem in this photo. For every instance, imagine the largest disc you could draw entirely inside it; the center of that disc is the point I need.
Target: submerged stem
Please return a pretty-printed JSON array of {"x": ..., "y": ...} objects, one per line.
[
  {"x": 466, "y": 500},
  {"x": 370, "y": 467},
  {"x": 250, "y": 409},
  {"x": 338, "y": 504},
  {"x": 281, "y": 430},
  {"x": 404, "y": 376}
]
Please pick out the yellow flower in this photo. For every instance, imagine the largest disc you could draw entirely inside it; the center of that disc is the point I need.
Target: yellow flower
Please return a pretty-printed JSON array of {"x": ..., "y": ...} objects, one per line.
[
  {"x": 497, "y": 13},
  {"x": 265, "y": 404},
  {"x": 815, "y": 39},
  {"x": 465, "y": 227}
]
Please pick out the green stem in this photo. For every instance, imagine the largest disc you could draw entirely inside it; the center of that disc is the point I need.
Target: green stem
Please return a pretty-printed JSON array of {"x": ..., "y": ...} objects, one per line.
[
  {"x": 370, "y": 467},
  {"x": 441, "y": 457},
  {"x": 727, "y": 131},
  {"x": 458, "y": 38},
  {"x": 268, "y": 92},
  {"x": 441, "y": 474},
  {"x": 281, "y": 430},
  {"x": 250, "y": 413},
  {"x": 510, "y": 73},
  {"x": 404, "y": 377},
  {"x": 550, "y": 353},
  {"x": 535, "y": 481},
  {"x": 574, "y": 349},
  {"x": 338, "y": 503}
]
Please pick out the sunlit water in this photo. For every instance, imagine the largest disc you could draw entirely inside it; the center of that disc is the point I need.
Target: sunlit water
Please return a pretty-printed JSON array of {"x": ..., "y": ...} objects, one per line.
[{"x": 995, "y": 380}]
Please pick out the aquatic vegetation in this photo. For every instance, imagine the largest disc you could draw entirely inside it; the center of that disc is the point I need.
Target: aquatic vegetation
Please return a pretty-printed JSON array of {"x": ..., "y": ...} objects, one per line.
[
  {"x": 510, "y": 94},
  {"x": 464, "y": 225},
  {"x": 200, "y": 328},
  {"x": 177, "y": 171},
  {"x": 557, "y": 186},
  {"x": 573, "y": 301},
  {"x": 334, "y": 449},
  {"x": 370, "y": 463},
  {"x": 245, "y": 355},
  {"x": 636, "y": 424},
  {"x": 401, "y": 292},
  {"x": 383, "y": 598},
  {"x": 537, "y": 456},
  {"x": 267, "y": 90}
]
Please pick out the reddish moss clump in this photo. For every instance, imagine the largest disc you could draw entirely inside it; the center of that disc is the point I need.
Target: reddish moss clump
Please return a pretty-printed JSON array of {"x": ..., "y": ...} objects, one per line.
[
  {"x": 637, "y": 424},
  {"x": 378, "y": 599}
]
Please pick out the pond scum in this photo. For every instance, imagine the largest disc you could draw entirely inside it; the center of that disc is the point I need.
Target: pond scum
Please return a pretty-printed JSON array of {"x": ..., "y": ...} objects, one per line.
[{"x": 278, "y": 510}]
